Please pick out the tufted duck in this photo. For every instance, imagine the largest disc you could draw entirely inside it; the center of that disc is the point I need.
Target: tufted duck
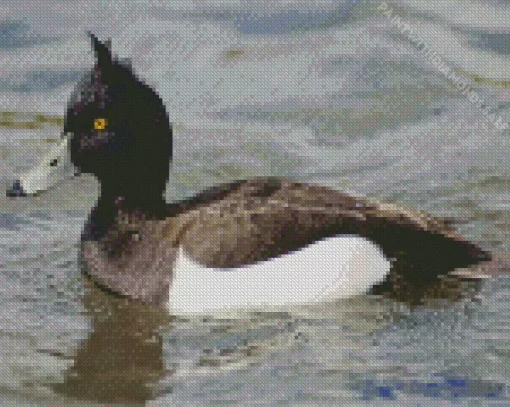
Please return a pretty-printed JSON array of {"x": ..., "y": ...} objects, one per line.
[{"x": 250, "y": 243}]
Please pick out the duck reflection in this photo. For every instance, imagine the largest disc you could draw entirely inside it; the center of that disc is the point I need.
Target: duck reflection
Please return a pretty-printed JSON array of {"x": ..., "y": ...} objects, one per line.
[{"x": 123, "y": 356}]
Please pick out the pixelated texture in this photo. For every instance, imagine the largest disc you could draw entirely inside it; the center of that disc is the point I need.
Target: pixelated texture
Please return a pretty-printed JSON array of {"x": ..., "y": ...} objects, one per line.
[{"x": 243, "y": 144}]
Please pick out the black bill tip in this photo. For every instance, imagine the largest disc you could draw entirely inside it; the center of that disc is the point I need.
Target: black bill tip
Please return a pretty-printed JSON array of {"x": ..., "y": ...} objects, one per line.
[{"x": 16, "y": 190}]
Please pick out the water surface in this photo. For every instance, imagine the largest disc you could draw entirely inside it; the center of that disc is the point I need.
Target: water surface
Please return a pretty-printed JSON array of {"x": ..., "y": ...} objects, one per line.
[{"x": 327, "y": 92}]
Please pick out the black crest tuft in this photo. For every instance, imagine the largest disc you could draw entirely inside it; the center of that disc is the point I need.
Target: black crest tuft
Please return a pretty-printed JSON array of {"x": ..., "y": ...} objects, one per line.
[{"x": 102, "y": 51}]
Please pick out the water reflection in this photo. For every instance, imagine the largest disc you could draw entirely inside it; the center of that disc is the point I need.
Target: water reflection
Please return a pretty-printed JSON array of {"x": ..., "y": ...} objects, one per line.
[{"x": 122, "y": 357}]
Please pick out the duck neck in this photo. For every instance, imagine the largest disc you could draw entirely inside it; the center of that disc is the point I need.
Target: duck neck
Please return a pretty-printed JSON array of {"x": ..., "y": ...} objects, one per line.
[{"x": 112, "y": 203}]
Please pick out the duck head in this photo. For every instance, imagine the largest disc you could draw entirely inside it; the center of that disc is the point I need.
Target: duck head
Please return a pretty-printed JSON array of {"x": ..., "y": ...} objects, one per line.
[{"x": 116, "y": 127}]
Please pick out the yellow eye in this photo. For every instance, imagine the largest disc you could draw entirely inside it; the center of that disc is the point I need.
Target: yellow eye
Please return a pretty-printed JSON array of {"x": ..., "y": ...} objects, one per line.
[{"x": 100, "y": 124}]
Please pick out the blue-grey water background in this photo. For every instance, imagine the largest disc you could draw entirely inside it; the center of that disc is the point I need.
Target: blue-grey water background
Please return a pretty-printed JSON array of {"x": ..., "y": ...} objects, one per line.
[{"x": 320, "y": 91}]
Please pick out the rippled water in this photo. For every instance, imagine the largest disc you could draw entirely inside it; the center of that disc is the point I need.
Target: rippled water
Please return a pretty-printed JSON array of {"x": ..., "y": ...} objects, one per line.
[{"x": 328, "y": 92}]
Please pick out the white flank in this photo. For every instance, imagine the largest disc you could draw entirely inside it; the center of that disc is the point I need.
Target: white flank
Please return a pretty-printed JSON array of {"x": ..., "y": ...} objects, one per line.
[{"x": 330, "y": 269}]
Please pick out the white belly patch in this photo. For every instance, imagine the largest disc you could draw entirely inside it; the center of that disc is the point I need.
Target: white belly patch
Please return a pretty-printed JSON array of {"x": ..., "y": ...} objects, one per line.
[{"x": 330, "y": 269}]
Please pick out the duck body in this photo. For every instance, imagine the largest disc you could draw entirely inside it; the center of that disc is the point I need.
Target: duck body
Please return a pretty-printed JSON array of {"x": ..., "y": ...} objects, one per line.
[
  {"x": 248, "y": 243},
  {"x": 268, "y": 242}
]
